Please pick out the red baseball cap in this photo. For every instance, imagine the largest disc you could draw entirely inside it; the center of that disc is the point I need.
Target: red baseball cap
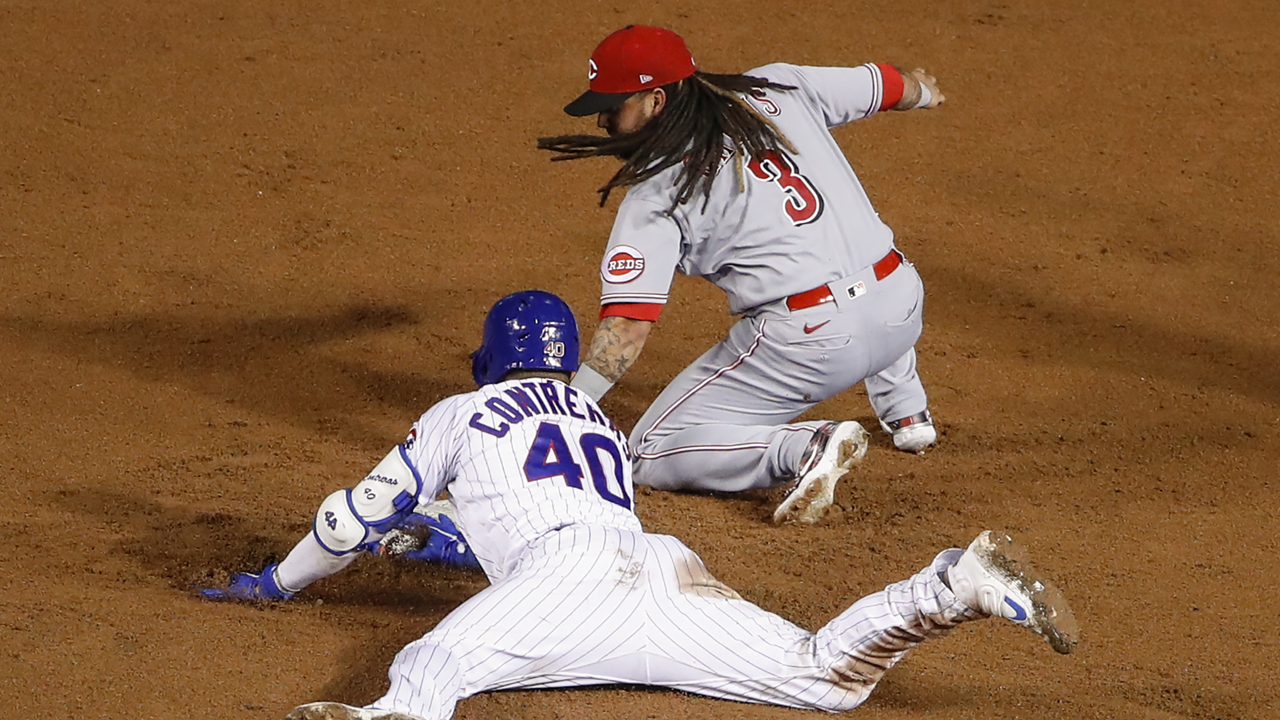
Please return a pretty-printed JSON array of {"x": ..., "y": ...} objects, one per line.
[{"x": 635, "y": 58}]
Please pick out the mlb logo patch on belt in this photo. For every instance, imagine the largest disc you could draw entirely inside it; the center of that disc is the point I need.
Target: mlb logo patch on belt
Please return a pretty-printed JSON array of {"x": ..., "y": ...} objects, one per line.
[{"x": 882, "y": 268}]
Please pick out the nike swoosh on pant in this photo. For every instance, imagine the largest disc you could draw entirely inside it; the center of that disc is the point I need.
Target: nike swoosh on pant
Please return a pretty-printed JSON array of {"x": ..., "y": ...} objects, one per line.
[{"x": 808, "y": 330}]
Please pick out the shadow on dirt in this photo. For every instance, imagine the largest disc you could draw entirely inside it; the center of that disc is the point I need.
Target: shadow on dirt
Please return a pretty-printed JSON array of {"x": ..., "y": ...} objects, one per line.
[
  {"x": 1055, "y": 332},
  {"x": 384, "y": 603},
  {"x": 190, "y": 549},
  {"x": 293, "y": 367}
]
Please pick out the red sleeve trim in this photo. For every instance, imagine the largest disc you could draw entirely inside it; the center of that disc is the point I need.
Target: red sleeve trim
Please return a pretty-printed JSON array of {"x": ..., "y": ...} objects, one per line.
[
  {"x": 892, "y": 80},
  {"x": 632, "y": 311}
]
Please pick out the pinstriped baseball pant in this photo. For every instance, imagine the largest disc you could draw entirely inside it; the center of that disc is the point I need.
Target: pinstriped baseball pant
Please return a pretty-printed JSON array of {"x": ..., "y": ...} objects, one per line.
[{"x": 591, "y": 605}]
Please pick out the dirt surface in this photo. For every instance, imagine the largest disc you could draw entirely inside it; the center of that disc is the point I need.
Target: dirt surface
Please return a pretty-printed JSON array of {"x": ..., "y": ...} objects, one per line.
[{"x": 243, "y": 245}]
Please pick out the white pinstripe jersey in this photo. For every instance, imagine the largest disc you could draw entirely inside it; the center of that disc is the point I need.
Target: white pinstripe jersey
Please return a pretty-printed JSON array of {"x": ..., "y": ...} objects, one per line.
[
  {"x": 521, "y": 458},
  {"x": 791, "y": 221}
]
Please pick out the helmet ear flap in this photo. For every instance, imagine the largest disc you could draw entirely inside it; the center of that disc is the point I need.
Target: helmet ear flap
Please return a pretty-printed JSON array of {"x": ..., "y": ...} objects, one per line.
[{"x": 479, "y": 366}]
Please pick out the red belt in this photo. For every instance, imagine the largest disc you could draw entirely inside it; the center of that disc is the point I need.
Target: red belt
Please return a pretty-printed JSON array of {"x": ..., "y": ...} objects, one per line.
[{"x": 822, "y": 294}]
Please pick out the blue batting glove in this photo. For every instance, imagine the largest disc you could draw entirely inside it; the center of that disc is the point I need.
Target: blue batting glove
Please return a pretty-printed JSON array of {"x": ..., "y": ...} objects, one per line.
[
  {"x": 444, "y": 542},
  {"x": 249, "y": 587}
]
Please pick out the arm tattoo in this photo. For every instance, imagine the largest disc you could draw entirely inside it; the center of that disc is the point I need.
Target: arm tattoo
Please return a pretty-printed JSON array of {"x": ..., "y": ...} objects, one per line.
[{"x": 616, "y": 345}]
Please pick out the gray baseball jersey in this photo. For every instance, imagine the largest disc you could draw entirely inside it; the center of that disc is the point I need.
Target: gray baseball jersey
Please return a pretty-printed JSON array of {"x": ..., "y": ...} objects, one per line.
[
  {"x": 786, "y": 224},
  {"x": 796, "y": 245}
]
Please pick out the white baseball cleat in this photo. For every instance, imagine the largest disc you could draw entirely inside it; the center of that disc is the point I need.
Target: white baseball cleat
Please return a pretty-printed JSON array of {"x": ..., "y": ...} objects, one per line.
[
  {"x": 835, "y": 449},
  {"x": 913, "y": 433},
  {"x": 338, "y": 711},
  {"x": 994, "y": 577}
]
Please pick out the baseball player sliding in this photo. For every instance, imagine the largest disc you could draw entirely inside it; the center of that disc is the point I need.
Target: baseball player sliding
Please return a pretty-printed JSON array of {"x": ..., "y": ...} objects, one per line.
[
  {"x": 580, "y": 594},
  {"x": 737, "y": 179}
]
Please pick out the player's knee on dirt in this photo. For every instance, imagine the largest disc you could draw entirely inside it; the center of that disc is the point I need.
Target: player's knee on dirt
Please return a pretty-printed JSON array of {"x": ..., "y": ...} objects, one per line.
[
  {"x": 430, "y": 671},
  {"x": 348, "y": 519},
  {"x": 640, "y": 466}
]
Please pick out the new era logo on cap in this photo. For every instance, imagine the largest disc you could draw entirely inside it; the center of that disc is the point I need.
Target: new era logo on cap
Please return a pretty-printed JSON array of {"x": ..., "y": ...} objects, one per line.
[
  {"x": 635, "y": 58},
  {"x": 639, "y": 57}
]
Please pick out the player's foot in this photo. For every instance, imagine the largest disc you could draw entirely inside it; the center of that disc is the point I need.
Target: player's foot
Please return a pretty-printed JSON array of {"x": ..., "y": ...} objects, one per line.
[
  {"x": 834, "y": 450},
  {"x": 338, "y": 711},
  {"x": 913, "y": 433},
  {"x": 994, "y": 576}
]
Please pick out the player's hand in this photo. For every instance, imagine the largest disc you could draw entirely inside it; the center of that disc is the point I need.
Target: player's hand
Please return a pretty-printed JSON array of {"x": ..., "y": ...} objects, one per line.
[
  {"x": 248, "y": 587},
  {"x": 427, "y": 538},
  {"x": 930, "y": 82},
  {"x": 444, "y": 544}
]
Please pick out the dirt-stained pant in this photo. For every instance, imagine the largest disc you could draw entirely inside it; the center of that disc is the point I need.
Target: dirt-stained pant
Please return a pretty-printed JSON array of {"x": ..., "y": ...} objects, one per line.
[
  {"x": 591, "y": 605},
  {"x": 725, "y": 422}
]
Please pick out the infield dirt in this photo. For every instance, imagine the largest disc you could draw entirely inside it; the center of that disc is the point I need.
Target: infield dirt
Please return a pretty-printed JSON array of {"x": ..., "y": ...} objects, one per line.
[{"x": 244, "y": 244}]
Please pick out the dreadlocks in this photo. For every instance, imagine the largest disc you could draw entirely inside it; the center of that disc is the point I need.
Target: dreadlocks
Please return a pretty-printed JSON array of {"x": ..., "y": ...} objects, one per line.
[{"x": 701, "y": 111}]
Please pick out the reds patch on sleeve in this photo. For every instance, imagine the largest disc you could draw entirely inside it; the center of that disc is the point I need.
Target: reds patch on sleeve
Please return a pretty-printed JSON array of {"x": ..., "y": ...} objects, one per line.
[{"x": 622, "y": 265}]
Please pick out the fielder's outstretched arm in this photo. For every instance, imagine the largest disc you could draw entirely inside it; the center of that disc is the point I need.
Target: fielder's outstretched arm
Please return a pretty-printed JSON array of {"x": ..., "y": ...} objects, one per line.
[{"x": 614, "y": 349}]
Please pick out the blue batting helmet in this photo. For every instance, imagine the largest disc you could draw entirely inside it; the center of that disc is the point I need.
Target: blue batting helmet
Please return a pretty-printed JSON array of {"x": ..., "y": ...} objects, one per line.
[{"x": 528, "y": 330}]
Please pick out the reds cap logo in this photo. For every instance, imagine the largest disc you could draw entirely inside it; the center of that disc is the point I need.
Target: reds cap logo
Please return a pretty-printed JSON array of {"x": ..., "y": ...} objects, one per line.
[
  {"x": 592, "y": 70},
  {"x": 622, "y": 265}
]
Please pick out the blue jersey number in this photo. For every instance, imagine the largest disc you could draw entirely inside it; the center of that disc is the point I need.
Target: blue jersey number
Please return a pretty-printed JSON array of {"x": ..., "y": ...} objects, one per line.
[{"x": 551, "y": 456}]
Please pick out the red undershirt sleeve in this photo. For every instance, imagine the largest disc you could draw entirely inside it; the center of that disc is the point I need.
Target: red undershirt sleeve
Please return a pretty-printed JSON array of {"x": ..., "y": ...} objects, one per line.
[
  {"x": 893, "y": 85},
  {"x": 632, "y": 311}
]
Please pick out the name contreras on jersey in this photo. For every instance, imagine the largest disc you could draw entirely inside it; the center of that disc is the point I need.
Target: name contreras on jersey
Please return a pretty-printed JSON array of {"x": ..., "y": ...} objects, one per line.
[{"x": 539, "y": 398}]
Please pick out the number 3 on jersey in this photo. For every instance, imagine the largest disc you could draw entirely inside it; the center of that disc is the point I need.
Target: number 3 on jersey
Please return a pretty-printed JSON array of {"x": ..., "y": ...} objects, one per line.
[
  {"x": 551, "y": 456},
  {"x": 803, "y": 201}
]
